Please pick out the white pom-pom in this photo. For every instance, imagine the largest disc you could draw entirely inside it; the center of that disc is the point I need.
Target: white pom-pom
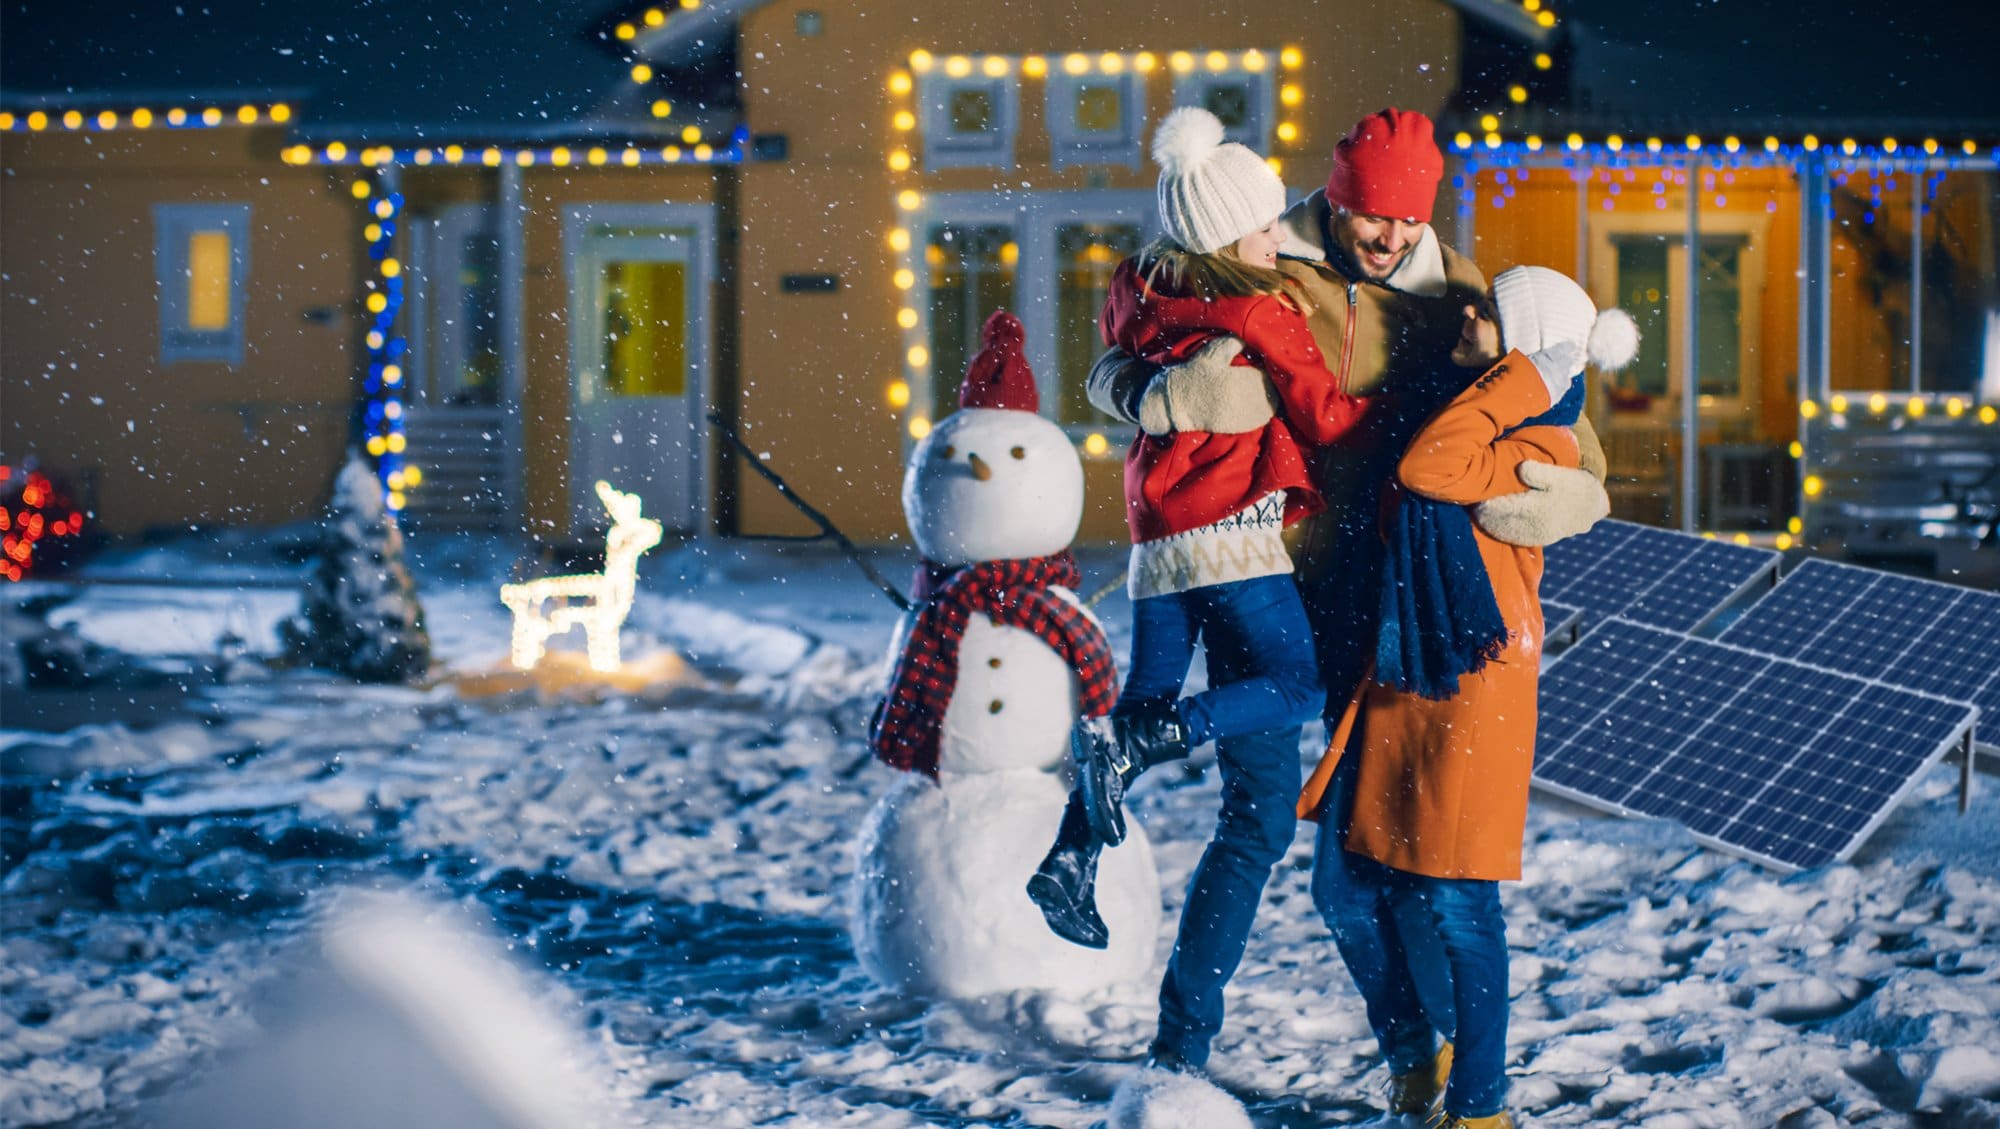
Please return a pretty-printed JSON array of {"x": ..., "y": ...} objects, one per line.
[
  {"x": 1614, "y": 340},
  {"x": 1185, "y": 139}
]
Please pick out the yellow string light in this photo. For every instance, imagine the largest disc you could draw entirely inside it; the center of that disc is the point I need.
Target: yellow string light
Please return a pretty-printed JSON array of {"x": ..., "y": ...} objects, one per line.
[
  {"x": 642, "y": 74},
  {"x": 899, "y": 394},
  {"x": 920, "y": 61},
  {"x": 1034, "y": 66}
]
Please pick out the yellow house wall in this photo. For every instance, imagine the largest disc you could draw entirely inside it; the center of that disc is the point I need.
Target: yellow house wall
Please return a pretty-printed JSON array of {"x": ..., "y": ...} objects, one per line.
[
  {"x": 815, "y": 368},
  {"x": 85, "y": 390}
]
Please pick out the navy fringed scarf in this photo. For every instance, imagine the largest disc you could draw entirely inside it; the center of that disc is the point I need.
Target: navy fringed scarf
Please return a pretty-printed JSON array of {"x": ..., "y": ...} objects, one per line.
[{"x": 1439, "y": 619}]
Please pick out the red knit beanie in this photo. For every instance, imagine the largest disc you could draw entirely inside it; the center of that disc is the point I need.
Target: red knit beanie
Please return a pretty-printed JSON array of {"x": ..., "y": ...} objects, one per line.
[
  {"x": 999, "y": 376},
  {"x": 1388, "y": 166}
]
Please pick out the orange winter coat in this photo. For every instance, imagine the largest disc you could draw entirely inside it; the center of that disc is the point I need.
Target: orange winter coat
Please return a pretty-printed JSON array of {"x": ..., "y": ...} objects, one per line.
[{"x": 1443, "y": 785}]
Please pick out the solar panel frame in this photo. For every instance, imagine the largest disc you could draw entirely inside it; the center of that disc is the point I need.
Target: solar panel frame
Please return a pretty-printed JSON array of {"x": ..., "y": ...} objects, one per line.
[
  {"x": 1621, "y": 568},
  {"x": 1560, "y": 621},
  {"x": 1945, "y": 639},
  {"x": 1667, "y": 718}
]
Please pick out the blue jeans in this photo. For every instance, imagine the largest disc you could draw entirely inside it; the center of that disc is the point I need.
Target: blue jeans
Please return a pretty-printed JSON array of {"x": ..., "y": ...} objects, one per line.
[
  {"x": 1261, "y": 671},
  {"x": 1264, "y": 687},
  {"x": 1428, "y": 955}
]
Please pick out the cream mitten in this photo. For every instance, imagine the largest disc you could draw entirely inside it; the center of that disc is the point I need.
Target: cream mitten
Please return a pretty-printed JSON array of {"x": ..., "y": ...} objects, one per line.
[
  {"x": 1207, "y": 392},
  {"x": 1558, "y": 503}
]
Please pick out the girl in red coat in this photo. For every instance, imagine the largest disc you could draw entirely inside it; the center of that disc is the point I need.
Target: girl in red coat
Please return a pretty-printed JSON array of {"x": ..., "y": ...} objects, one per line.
[{"x": 1207, "y": 511}]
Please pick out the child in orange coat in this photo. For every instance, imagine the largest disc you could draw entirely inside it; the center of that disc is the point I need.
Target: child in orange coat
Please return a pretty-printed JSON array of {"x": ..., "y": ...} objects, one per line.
[{"x": 1423, "y": 792}]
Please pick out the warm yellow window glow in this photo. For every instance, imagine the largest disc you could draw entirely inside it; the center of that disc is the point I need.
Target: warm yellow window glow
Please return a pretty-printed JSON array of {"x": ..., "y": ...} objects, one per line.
[{"x": 208, "y": 280}]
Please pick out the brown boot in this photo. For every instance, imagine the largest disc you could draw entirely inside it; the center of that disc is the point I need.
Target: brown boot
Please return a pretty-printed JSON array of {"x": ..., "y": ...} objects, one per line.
[{"x": 1421, "y": 1091}]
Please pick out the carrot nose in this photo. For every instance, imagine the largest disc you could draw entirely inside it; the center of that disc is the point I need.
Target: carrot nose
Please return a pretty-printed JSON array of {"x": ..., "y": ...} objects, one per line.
[{"x": 980, "y": 470}]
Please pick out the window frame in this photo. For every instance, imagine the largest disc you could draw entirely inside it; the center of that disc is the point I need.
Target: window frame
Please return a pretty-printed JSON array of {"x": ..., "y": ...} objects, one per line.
[
  {"x": 1188, "y": 88},
  {"x": 1071, "y": 146},
  {"x": 173, "y": 226},
  {"x": 943, "y": 150},
  {"x": 1035, "y": 219}
]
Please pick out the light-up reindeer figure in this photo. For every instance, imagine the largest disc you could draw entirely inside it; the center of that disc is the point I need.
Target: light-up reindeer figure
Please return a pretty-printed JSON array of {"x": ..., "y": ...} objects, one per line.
[{"x": 597, "y": 601}]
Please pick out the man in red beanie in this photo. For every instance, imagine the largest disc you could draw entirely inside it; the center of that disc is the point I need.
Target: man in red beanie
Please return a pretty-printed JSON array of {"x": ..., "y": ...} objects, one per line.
[{"x": 1385, "y": 296}]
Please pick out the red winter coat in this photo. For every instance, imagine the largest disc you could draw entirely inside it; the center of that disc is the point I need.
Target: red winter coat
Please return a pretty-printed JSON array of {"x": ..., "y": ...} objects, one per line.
[{"x": 1175, "y": 483}]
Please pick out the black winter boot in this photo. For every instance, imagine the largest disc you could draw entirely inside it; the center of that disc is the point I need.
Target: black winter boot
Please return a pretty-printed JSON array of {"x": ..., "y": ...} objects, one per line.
[
  {"x": 1111, "y": 752},
  {"x": 1065, "y": 885}
]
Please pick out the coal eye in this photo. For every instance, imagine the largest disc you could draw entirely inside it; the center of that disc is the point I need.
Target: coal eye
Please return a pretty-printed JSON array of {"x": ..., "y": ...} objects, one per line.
[
  {"x": 1019, "y": 452},
  {"x": 947, "y": 452}
]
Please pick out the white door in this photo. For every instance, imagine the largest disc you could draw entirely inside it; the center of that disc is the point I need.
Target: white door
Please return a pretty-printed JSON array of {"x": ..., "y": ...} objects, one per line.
[{"x": 639, "y": 356}]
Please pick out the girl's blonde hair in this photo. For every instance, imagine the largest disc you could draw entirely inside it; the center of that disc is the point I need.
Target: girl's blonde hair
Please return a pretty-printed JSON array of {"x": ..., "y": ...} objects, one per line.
[{"x": 1166, "y": 267}]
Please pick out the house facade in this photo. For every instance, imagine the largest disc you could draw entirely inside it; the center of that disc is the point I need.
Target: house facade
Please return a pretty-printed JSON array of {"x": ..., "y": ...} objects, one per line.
[
  {"x": 790, "y": 215},
  {"x": 509, "y": 261}
]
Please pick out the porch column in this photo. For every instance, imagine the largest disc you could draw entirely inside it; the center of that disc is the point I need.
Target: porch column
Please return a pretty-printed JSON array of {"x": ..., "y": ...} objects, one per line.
[
  {"x": 509, "y": 222},
  {"x": 1815, "y": 298}
]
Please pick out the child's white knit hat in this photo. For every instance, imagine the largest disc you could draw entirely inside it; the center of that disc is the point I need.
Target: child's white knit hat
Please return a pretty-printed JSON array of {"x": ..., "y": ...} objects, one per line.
[
  {"x": 1540, "y": 307},
  {"x": 1211, "y": 193}
]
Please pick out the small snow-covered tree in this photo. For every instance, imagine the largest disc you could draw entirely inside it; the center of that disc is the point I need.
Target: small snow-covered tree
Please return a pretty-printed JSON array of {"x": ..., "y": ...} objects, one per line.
[{"x": 360, "y": 614}]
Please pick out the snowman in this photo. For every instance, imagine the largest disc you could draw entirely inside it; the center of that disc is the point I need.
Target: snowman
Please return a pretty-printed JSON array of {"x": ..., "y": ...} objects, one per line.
[{"x": 991, "y": 670}]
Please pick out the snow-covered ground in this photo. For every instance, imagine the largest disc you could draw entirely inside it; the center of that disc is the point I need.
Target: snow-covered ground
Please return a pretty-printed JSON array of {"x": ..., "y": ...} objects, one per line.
[{"x": 668, "y": 855}]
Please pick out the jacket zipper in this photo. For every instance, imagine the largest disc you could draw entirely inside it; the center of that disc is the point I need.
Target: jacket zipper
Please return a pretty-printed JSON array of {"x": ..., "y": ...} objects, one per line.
[{"x": 1347, "y": 339}]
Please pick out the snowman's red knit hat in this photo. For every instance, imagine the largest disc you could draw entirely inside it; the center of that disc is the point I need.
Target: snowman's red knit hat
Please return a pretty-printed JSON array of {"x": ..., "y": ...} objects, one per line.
[{"x": 999, "y": 376}]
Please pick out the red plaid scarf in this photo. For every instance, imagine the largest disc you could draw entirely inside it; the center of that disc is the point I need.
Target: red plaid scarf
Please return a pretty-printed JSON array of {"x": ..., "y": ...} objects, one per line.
[{"x": 909, "y": 722}]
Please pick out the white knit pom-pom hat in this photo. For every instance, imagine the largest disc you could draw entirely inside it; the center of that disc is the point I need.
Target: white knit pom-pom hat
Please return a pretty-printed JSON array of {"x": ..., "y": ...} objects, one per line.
[
  {"x": 1540, "y": 307},
  {"x": 1211, "y": 192}
]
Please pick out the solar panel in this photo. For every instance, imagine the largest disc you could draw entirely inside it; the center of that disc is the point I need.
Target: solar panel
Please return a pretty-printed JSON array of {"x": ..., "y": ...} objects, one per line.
[
  {"x": 1781, "y": 762},
  {"x": 1673, "y": 580},
  {"x": 1559, "y": 623},
  {"x": 1920, "y": 634}
]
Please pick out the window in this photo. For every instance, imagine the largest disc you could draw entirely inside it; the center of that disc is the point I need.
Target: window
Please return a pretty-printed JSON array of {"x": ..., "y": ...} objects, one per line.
[
  {"x": 1049, "y": 259},
  {"x": 968, "y": 121},
  {"x": 1242, "y": 100},
  {"x": 200, "y": 258},
  {"x": 1086, "y": 254},
  {"x": 1095, "y": 119},
  {"x": 970, "y": 268}
]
